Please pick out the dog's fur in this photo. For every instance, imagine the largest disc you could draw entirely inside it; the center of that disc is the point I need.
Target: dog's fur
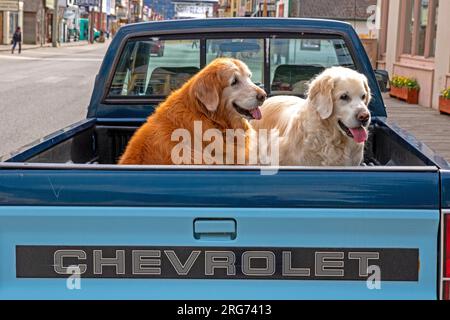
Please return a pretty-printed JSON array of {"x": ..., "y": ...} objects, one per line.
[
  {"x": 310, "y": 134},
  {"x": 211, "y": 96}
]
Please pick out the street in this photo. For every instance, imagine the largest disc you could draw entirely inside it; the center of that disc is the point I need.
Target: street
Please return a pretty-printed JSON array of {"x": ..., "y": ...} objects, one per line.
[{"x": 43, "y": 90}]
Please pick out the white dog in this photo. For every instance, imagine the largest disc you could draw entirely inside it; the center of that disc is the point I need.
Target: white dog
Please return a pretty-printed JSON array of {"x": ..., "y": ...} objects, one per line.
[{"x": 329, "y": 128}]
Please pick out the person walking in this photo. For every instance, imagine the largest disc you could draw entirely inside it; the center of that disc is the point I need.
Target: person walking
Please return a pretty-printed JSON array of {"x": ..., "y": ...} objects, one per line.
[{"x": 17, "y": 39}]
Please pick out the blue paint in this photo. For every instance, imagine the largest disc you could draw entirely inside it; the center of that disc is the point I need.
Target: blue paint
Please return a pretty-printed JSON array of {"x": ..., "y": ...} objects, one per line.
[
  {"x": 201, "y": 27},
  {"x": 51, "y": 140},
  {"x": 221, "y": 188},
  {"x": 445, "y": 196},
  {"x": 319, "y": 228},
  {"x": 97, "y": 205}
]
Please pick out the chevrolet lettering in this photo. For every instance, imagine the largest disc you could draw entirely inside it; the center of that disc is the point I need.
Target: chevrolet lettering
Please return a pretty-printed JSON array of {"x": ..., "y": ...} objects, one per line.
[{"x": 216, "y": 263}]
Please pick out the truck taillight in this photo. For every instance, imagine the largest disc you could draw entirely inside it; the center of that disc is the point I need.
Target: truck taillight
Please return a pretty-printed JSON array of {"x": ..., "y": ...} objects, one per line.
[
  {"x": 446, "y": 295},
  {"x": 446, "y": 258},
  {"x": 447, "y": 245}
]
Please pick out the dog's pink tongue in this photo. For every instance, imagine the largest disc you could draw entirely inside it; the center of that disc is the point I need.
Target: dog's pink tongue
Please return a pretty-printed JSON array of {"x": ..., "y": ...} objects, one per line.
[
  {"x": 256, "y": 114},
  {"x": 359, "y": 134}
]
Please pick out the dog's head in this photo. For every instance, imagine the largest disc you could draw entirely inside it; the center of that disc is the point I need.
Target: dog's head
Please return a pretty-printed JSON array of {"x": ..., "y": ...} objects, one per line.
[
  {"x": 225, "y": 87},
  {"x": 342, "y": 95}
]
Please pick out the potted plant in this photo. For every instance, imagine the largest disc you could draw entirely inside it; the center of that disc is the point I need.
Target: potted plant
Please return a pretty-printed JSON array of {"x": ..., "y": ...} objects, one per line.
[
  {"x": 405, "y": 88},
  {"x": 444, "y": 101}
]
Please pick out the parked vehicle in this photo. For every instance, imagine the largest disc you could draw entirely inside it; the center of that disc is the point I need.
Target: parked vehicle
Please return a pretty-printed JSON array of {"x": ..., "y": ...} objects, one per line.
[{"x": 175, "y": 232}]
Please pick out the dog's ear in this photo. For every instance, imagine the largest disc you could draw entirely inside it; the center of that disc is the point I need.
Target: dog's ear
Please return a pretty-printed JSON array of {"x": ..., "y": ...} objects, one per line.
[
  {"x": 368, "y": 91},
  {"x": 206, "y": 91},
  {"x": 320, "y": 94}
]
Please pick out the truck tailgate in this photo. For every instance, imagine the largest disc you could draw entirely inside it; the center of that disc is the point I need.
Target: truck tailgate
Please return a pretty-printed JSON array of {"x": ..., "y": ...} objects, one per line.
[{"x": 219, "y": 234}]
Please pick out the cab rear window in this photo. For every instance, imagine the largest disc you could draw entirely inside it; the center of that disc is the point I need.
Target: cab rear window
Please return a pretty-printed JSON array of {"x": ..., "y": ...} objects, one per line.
[
  {"x": 294, "y": 62},
  {"x": 250, "y": 51},
  {"x": 154, "y": 67}
]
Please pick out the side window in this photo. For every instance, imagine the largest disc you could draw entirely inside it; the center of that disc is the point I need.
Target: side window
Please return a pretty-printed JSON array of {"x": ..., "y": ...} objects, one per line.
[
  {"x": 294, "y": 62},
  {"x": 155, "y": 67},
  {"x": 250, "y": 51}
]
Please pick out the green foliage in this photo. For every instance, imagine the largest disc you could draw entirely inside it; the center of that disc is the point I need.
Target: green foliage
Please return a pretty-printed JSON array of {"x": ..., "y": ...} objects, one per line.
[
  {"x": 404, "y": 82},
  {"x": 446, "y": 93}
]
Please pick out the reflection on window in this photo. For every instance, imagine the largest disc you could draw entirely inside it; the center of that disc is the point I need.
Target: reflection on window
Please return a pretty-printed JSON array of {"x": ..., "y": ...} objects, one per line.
[
  {"x": 294, "y": 62},
  {"x": 250, "y": 51},
  {"x": 409, "y": 8},
  {"x": 420, "y": 27},
  {"x": 433, "y": 25},
  {"x": 155, "y": 67},
  {"x": 423, "y": 22},
  {"x": 13, "y": 23}
]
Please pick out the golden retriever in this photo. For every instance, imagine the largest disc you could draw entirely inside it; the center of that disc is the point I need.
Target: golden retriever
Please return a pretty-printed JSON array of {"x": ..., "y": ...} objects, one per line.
[
  {"x": 329, "y": 128},
  {"x": 221, "y": 96}
]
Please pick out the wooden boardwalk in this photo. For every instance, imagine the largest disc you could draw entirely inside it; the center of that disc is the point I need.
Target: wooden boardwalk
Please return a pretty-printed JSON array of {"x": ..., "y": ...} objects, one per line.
[{"x": 426, "y": 124}]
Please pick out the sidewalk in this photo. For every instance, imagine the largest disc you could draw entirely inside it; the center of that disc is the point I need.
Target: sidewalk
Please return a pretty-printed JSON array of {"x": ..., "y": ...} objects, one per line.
[
  {"x": 6, "y": 47},
  {"x": 426, "y": 124}
]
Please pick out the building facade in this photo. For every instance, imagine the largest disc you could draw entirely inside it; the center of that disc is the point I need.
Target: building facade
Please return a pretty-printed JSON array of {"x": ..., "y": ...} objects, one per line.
[
  {"x": 247, "y": 8},
  {"x": 185, "y": 9},
  {"x": 355, "y": 12},
  {"x": 161, "y": 9},
  {"x": 11, "y": 17},
  {"x": 68, "y": 20},
  {"x": 33, "y": 19},
  {"x": 414, "y": 42}
]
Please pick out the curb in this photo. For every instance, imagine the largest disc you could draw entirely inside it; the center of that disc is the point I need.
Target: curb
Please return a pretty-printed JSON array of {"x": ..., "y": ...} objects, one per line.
[
  {"x": 47, "y": 45},
  {"x": 8, "y": 48}
]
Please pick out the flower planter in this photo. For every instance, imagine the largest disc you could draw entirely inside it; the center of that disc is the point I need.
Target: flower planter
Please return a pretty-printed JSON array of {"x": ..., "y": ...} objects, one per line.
[
  {"x": 444, "y": 105},
  {"x": 411, "y": 96}
]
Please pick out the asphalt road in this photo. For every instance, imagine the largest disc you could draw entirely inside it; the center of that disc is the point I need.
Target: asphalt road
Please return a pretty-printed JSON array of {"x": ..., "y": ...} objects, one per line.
[{"x": 44, "y": 90}]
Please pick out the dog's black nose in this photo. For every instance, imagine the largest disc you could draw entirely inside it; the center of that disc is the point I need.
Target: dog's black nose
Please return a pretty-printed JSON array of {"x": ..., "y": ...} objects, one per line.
[
  {"x": 363, "y": 117},
  {"x": 261, "y": 97}
]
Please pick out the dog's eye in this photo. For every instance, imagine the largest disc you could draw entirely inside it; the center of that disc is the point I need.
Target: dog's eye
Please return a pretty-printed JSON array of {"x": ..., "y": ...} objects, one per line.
[
  {"x": 364, "y": 97},
  {"x": 234, "y": 82},
  {"x": 345, "y": 97}
]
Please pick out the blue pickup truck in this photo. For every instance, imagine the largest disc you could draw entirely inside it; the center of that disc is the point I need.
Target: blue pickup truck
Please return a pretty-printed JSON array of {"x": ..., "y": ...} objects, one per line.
[{"x": 68, "y": 212}]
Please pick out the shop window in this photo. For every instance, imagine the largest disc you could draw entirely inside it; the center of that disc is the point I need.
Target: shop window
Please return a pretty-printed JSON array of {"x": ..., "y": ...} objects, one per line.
[
  {"x": 13, "y": 23},
  {"x": 409, "y": 25},
  {"x": 419, "y": 27},
  {"x": 434, "y": 30},
  {"x": 423, "y": 23}
]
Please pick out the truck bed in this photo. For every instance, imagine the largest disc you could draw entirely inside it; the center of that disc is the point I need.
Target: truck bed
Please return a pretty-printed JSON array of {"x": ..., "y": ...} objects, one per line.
[{"x": 102, "y": 143}]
